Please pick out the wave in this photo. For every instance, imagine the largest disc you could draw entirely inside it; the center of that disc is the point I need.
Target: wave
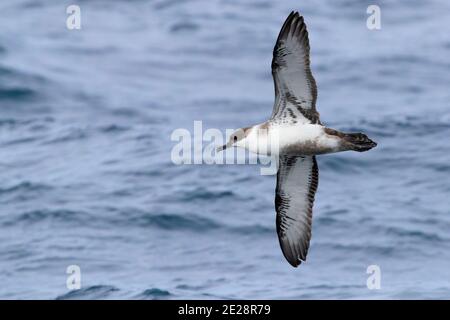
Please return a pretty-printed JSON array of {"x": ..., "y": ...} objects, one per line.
[
  {"x": 17, "y": 86},
  {"x": 36, "y": 216},
  {"x": 154, "y": 294},
  {"x": 89, "y": 293},
  {"x": 23, "y": 191},
  {"x": 124, "y": 218},
  {"x": 205, "y": 194},
  {"x": 70, "y": 135},
  {"x": 25, "y": 186},
  {"x": 172, "y": 222},
  {"x": 17, "y": 93},
  {"x": 414, "y": 234}
]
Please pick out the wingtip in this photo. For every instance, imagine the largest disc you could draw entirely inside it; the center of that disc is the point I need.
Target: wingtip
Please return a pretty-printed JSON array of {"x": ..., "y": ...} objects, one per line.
[
  {"x": 293, "y": 260},
  {"x": 296, "y": 13},
  {"x": 293, "y": 256},
  {"x": 294, "y": 19},
  {"x": 299, "y": 18},
  {"x": 295, "y": 264}
]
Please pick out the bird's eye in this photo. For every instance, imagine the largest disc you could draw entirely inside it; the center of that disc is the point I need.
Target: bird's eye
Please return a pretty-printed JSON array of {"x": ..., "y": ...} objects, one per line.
[{"x": 235, "y": 139}]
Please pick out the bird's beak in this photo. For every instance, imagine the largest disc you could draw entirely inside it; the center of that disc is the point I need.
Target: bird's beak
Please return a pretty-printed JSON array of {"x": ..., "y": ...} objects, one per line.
[
  {"x": 221, "y": 148},
  {"x": 225, "y": 146}
]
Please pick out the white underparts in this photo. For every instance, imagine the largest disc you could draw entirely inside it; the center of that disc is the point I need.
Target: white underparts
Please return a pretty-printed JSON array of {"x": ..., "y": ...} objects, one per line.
[{"x": 295, "y": 139}]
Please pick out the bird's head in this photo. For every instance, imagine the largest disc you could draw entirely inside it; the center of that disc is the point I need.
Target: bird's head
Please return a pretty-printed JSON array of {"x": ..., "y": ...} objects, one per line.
[{"x": 237, "y": 139}]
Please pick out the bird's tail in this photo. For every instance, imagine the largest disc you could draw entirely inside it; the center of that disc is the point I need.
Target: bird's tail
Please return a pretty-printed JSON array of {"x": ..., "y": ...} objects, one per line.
[{"x": 359, "y": 142}]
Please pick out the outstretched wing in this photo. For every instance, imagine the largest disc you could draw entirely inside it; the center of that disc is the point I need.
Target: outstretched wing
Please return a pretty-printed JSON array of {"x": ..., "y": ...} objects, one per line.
[
  {"x": 295, "y": 87},
  {"x": 297, "y": 181}
]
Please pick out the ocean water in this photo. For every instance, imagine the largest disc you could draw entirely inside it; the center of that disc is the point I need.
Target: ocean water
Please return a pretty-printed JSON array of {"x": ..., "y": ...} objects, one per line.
[{"x": 86, "y": 176}]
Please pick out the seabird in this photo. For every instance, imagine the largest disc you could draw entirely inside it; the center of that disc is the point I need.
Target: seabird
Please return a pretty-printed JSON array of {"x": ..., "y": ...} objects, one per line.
[{"x": 300, "y": 137}]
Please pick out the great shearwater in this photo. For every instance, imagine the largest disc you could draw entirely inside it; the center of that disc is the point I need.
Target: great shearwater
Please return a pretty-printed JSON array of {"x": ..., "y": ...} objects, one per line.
[{"x": 300, "y": 137}]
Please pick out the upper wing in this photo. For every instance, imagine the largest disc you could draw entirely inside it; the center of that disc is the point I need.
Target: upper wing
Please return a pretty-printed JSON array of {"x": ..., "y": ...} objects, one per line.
[
  {"x": 295, "y": 87},
  {"x": 297, "y": 181}
]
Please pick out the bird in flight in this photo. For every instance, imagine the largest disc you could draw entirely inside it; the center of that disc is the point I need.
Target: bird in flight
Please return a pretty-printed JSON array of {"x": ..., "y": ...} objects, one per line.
[{"x": 299, "y": 136}]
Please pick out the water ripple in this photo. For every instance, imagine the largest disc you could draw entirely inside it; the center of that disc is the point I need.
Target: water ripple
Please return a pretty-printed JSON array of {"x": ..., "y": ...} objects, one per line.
[{"x": 90, "y": 293}]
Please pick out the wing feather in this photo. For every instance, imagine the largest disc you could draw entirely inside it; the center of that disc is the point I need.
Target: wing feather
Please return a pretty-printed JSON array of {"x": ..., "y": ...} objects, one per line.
[
  {"x": 297, "y": 182},
  {"x": 295, "y": 86}
]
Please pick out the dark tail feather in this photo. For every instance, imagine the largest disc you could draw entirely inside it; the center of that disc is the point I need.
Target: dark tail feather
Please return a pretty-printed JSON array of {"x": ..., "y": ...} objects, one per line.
[{"x": 359, "y": 142}]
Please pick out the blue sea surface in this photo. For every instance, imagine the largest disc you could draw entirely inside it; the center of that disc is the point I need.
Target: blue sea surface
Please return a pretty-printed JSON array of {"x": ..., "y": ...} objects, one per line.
[{"x": 86, "y": 176}]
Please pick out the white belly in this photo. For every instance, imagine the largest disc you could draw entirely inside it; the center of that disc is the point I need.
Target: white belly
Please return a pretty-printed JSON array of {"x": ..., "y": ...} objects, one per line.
[{"x": 304, "y": 139}]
